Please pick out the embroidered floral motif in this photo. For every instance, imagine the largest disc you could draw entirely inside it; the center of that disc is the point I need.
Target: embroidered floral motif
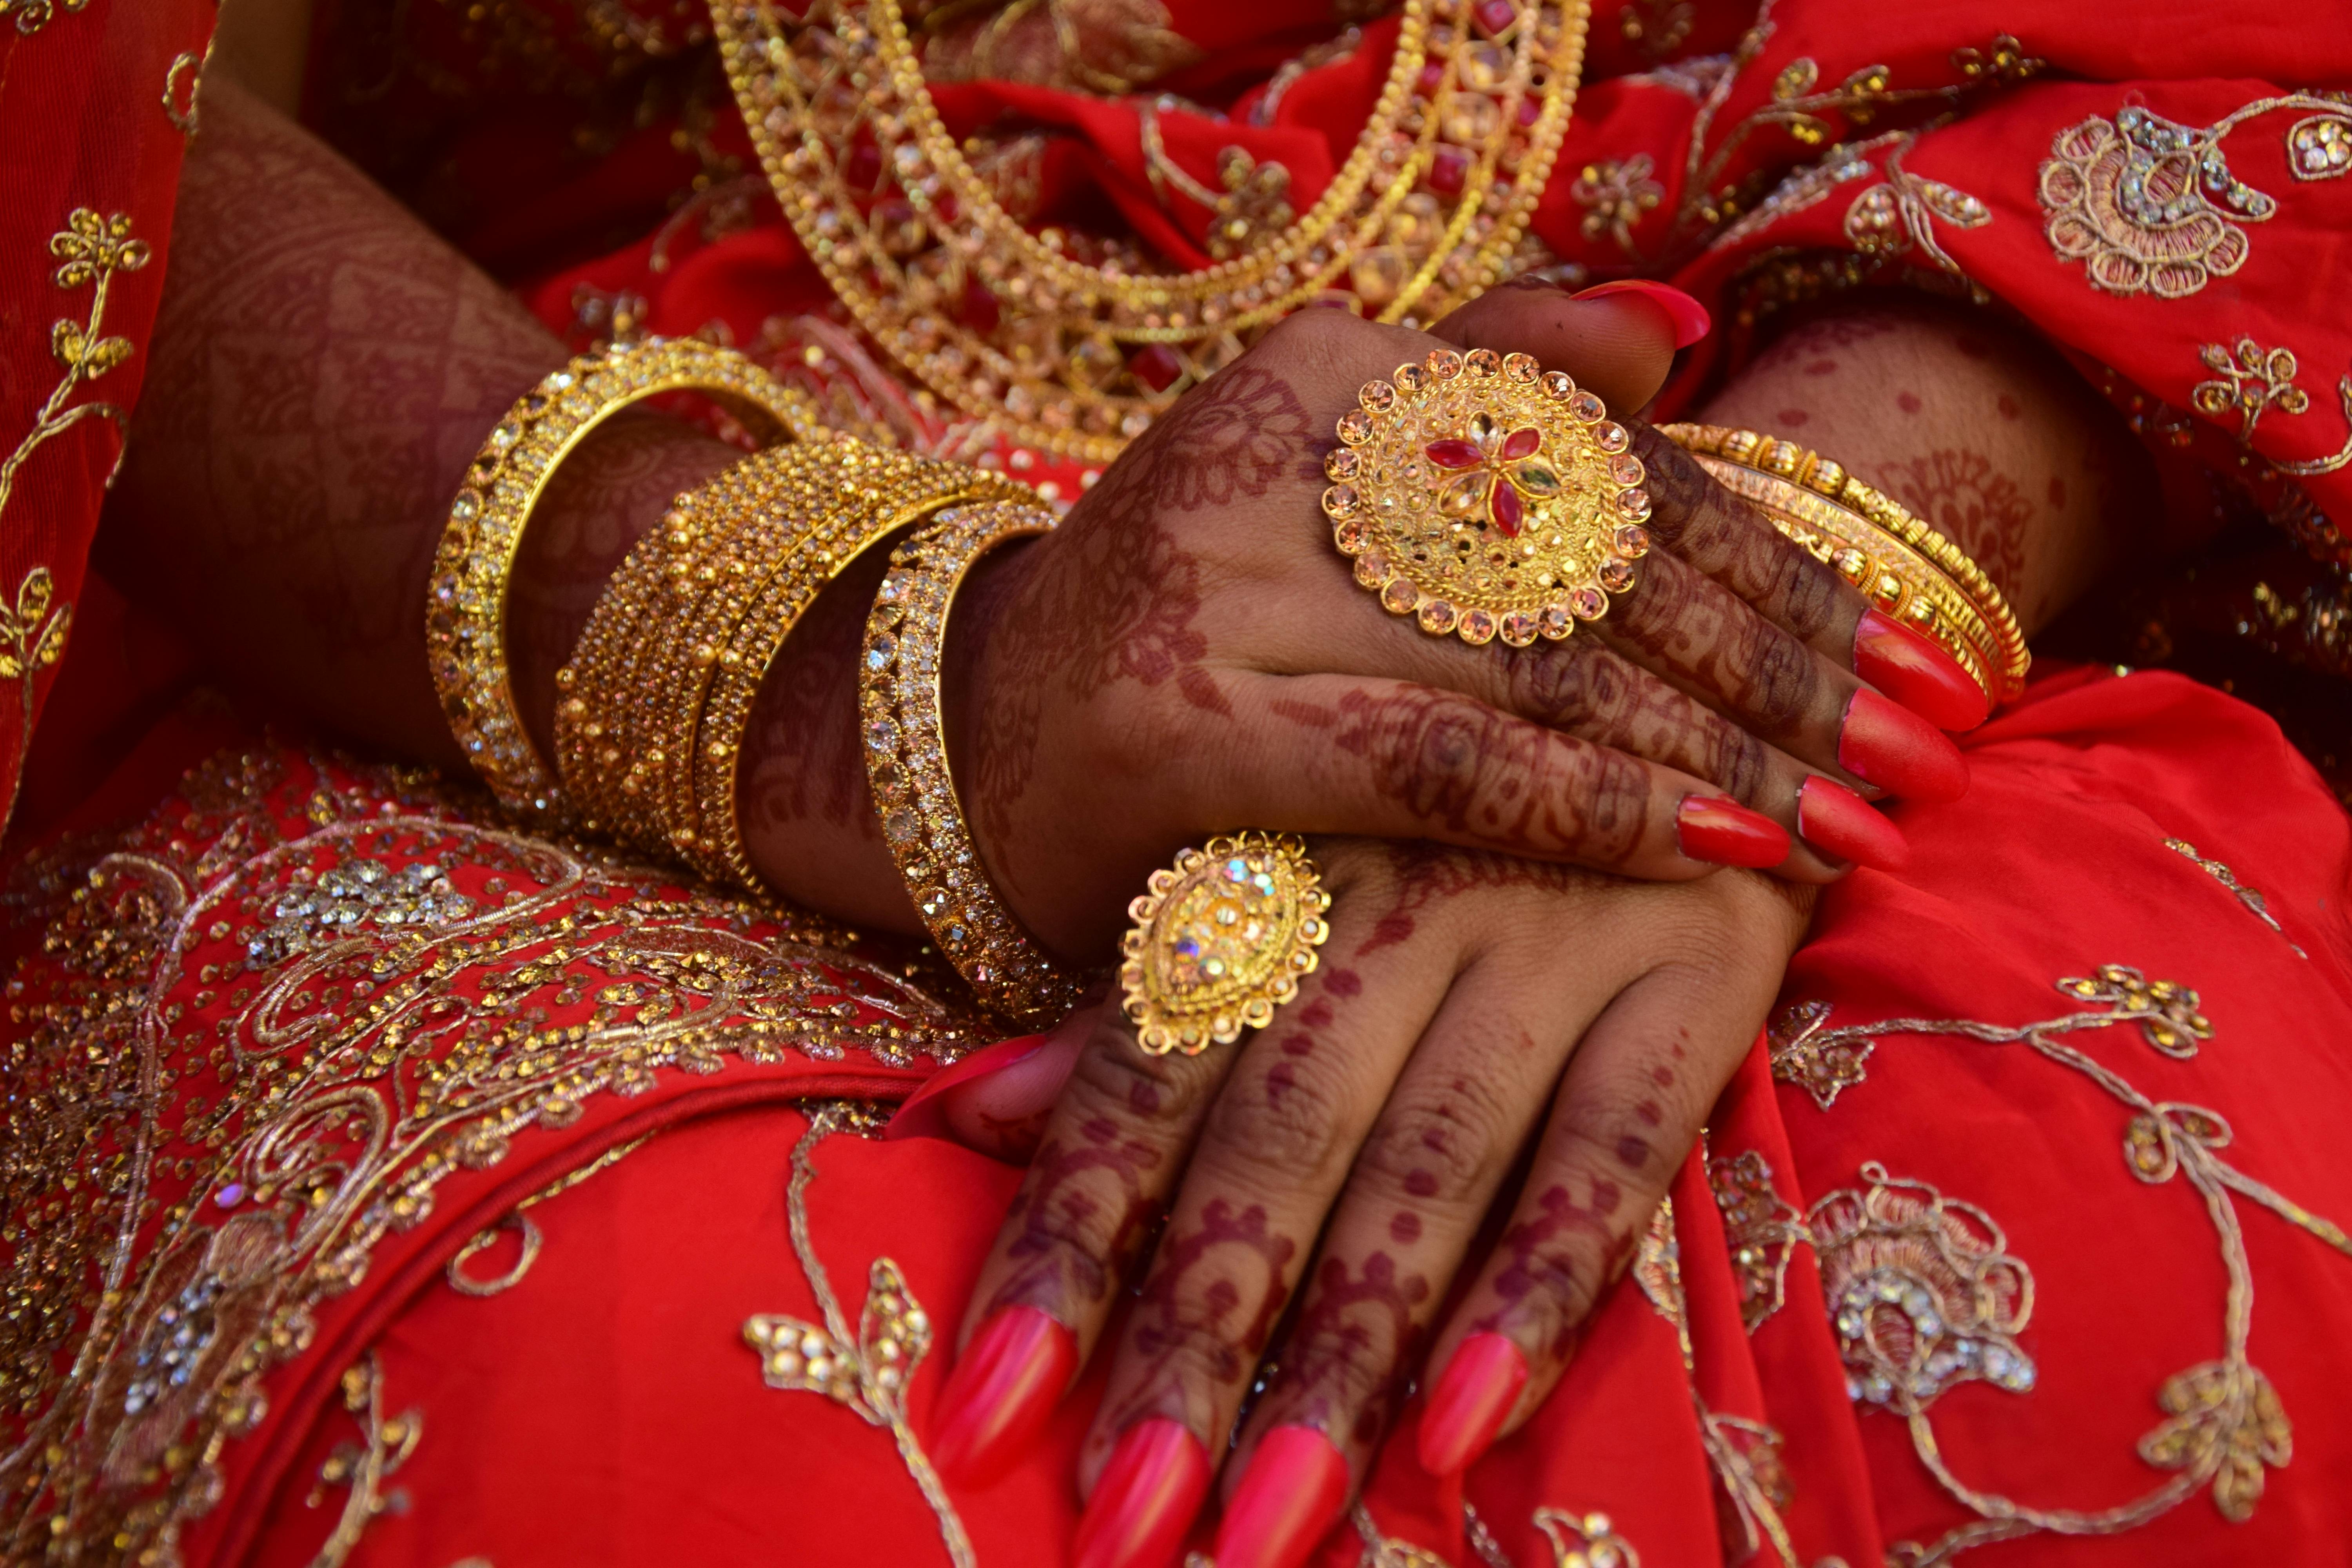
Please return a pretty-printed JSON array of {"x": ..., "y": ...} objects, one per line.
[
  {"x": 2320, "y": 147},
  {"x": 867, "y": 1371},
  {"x": 1386, "y": 1552},
  {"x": 2147, "y": 203},
  {"x": 2247, "y": 895},
  {"x": 1889, "y": 219},
  {"x": 2252, "y": 381},
  {"x": 1615, "y": 196},
  {"x": 385, "y": 1442},
  {"x": 1922, "y": 1292},
  {"x": 1895, "y": 1258},
  {"x": 1585, "y": 1541},
  {"x": 339, "y": 1050},
  {"x": 32, "y": 16},
  {"x": 1760, "y": 1226},
  {"x": 1824, "y": 1067}
]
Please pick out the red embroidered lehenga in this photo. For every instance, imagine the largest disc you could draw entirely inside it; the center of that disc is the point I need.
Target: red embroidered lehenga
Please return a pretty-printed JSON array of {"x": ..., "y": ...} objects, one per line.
[{"x": 382, "y": 1184}]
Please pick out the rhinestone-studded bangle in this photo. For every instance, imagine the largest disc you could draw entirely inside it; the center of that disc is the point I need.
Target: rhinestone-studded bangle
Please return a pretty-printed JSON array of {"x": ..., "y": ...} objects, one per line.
[
  {"x": 906, "y": 763},
  {"x": 466, "y": 620}
]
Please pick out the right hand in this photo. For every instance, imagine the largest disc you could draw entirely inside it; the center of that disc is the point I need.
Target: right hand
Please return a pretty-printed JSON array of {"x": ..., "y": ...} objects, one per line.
[{"x": 1189, "y": 652}]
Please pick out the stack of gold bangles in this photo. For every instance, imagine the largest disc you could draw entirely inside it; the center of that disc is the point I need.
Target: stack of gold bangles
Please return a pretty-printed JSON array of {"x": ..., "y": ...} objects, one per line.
[{"x": 1479, "y": 498}]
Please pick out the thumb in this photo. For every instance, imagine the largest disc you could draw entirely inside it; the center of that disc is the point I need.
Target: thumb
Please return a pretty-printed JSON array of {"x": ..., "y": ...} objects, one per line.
[{"x": 1619, "y": 340}]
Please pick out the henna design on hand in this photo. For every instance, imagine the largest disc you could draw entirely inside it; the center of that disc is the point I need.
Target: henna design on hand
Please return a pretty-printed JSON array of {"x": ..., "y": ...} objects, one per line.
[
  {"x": 1069, "y": 1256},
  {"x": 1545, "y": 1282},
  {"x": 1353, "y": 1348}
]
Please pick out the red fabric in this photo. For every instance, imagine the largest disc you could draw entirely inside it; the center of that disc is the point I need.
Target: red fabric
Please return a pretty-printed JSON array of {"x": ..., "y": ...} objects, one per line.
[
  {"x": 604, "y": 1409},
  {"x": 89, "y": 96}
]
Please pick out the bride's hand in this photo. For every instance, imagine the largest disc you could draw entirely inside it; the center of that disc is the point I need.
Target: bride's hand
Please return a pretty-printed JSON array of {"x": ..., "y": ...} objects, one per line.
[
  {"x": 1188, "y": 652},
  {"x": 1467, "y": 1005}
]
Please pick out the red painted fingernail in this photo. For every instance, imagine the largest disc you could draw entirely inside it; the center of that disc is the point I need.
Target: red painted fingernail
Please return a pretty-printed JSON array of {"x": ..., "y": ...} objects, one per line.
[
  {"x": 1915, "y": 671},
  {"x": 1899, "y": 752},
  {"x": 1002, "y": 1394},
  {"x": 1722, "y": 832},
  {"x": 921, "y": 1113},
  {"x": 1839, "y": 823},
  {"x": 1146, "y": 1498},
  {"x": 1289, "y": 1497},
  {"x": 1689, "y": 317},
  {"x": 1480, "y": 1387}
]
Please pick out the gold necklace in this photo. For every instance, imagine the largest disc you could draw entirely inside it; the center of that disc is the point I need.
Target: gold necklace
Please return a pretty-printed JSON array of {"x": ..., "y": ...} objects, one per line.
[{"x": 1075, "y": 358}]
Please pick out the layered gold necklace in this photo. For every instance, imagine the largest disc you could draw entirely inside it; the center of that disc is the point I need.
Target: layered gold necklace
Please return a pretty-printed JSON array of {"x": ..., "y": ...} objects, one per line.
[{"x": 1075, "y": 357}]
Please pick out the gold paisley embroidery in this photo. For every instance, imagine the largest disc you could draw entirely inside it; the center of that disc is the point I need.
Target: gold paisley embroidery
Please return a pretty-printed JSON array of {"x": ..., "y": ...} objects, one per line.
[
  {"x": 1760, "y": 1228},
  {"x": 2147, "y": 203},
  {"x": 384, "y": 1444},
  {"x": 253, "y": 1045},
  {"x": 1912, "y": 1276},
  {"x": 867, "y": 1371},
  {"x": 2254, "y": 903}
]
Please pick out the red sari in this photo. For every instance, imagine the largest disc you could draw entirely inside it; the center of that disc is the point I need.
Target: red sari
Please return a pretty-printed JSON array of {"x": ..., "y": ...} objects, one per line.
[{"x": 382, "y": 1186}]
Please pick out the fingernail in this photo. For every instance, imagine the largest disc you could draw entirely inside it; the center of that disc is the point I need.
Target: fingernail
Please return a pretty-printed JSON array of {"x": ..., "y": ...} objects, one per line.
[
  {"x": 1917, "y": 671},
  {"x": 1722, "y": 832},
  {"x": 1002, "y": 1394},
  {"x": 1145, "y": 1500},
  {"x": 1468, "y": 1405},
  {"x": 1899, "y": 752},
  {"x": 1839, "y": 823},
  {"x": 1289, "y": 1498},
  {"x": 1690, "y": 318},
  {"x": 921, "y": 1114}
]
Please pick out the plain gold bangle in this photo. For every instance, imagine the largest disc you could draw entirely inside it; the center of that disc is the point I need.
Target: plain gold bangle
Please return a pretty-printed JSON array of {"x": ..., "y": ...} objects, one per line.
[{"x": 465, "y": 614}]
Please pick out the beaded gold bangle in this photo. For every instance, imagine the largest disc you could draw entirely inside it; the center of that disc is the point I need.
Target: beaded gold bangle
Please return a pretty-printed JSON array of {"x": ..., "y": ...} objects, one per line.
[
  {"x": 906, "y": 763},
  {"x": 875, "y": 493},
  {"x": 466, "y": 620},
  {"x": 1907, "y": 568}
]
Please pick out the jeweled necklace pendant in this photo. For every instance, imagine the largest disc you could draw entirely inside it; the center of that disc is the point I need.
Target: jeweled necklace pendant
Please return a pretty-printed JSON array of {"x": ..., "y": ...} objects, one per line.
[{"x": 1487, "y": 497}]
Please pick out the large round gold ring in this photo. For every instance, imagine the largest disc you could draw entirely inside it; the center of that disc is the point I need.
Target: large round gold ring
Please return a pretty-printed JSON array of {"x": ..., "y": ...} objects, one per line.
[
  {"x": 1486, "y": 497},
  {"x": 1220, "y": 941}
]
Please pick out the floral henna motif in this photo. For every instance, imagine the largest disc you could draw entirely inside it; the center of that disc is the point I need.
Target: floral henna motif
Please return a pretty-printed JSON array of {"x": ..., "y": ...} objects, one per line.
[
  {"x": 1354, "y": 1348},
  {"x": 1066, "y": 1254},
  {"x": 1972, "y": 503},
  {"x": 1201, "y": 1303},
  {"x": 1550, "y": 1280}
]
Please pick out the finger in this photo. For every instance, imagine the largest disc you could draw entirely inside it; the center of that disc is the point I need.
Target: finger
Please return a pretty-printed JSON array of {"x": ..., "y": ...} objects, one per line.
[
  {"x": 1110, "y": 1154},
  {"x": 1620, "y": 345},
  {"x": 1275, "y": 1150},
  {"x": 1730, "y": 540},
  {"x": 1468, "y": 1100},
  {"x": 1709, "y": 642},
  {"x": 1394, "y": 760},
  {"x": 1632, "y": 1103}
]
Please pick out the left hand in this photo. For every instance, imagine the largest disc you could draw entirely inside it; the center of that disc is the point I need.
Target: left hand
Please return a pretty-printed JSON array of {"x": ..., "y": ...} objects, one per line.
[{"x": 1380, "y": 1110}]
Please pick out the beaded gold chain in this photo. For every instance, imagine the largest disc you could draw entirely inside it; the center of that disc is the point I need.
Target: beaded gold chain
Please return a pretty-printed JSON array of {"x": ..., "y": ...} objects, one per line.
[{"x": 1012, "y": 329}]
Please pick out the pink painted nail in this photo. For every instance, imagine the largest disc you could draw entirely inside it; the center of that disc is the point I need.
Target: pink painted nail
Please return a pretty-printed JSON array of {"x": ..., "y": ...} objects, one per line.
[
  {"x": 1887, "y": 745},
  {"x": 1915, "y": 671},
  {"x": 921, "y": 1114},
  {"x": 1840, "y": 823},
  {"x": 1689, "y": 317},
  {"x": 1144, "y": 1504},
  {"x": 1470, "y": 1402},
  {"x": 1289, "y": 1498},
  {"x": 1722, "y": 832},
  {"x": 1002, "y": 1394}
]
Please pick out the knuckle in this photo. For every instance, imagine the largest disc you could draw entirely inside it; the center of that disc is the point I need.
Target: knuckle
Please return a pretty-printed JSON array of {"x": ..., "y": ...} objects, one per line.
[
  {"x": 1738, "y": 761},
  {"x": 1778, "y": 678},
  {"x": 1287, "y": 1124},
  {"x": 1115, "y": 1079},
  {"x": 1440, "y": 1149}
]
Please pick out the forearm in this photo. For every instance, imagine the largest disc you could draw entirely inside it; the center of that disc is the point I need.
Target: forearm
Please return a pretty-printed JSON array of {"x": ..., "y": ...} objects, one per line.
[
  {"x": 1978, "y": 429},
  {"x": 319, "y": 383}
]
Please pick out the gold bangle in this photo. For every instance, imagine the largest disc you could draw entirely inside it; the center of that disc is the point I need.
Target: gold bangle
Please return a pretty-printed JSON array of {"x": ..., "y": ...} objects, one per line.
[
  {"x": 1906, "y": 568},
  {"x": 871, "y": 493},
  {"x": 1220, "y": 941},
  {"x": 466, "y": 620},
  {"x": 906, "y": 763}
]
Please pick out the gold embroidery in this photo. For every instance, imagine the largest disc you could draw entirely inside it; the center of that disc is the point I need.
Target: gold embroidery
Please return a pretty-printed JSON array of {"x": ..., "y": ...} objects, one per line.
[
  {"x": 1824, "y": 1067},
  {"x": 1760, "y": 1226},
  {"x": 31, "y": 640},
  {"x": 255, "y": 1043},
  {"x": 2320, "y": 146},
  {"x": 867, "y": 1371},
  {"x": 179, "y": 102},
  {"x": 1585, "y": 1541},
  {"x": 1254, "y": 204},
  {"x": 2147, "y": 203},
  {"x": 1383, "y": 1552},
  {"x": 1889, "y": 219},
  {"x": 1617, "y": 195},
  {"x": 2252, "y": 382},
  {"x": 1913, "y": 1277},
  {"x": 385, "y": 1442},
  {"x": 517, "y": 1219},
  {"x": 32, "y": 16},
  {"x": 2247, "y": 895},
  {"x": 1922, "y": 1292}
]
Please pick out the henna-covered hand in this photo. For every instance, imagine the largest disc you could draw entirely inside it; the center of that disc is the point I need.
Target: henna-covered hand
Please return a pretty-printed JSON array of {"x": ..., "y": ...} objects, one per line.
[
  {"x": 1188, "y": 651},
  {"x": 1382, "y": 1111}
]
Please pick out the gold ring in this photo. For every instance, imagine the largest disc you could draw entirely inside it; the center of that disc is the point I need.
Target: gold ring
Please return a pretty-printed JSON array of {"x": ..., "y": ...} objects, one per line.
[
  {"x": 1486, "y": 497},
  {"x": 1222, "y": 940}
]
